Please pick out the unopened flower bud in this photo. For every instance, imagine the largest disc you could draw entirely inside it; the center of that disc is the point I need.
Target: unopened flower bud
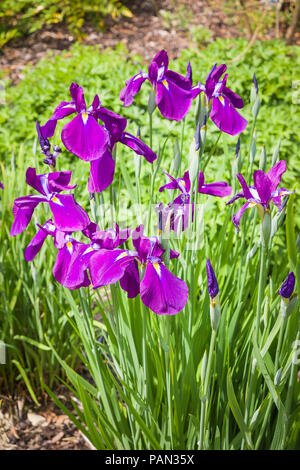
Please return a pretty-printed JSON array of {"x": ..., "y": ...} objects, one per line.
[
  {"x": 277, "y": 377},
  {"x": 287, "y": 288},
  {"x": 266, "y": 228},
  {"x": 213, "y": 290}
]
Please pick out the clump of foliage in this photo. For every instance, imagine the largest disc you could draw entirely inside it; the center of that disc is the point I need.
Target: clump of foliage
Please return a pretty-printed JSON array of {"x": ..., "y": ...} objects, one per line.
[{"x": 25, "y": 17}]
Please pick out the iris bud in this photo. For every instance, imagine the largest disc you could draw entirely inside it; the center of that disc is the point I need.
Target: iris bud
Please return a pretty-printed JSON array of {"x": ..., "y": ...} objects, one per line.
[
  {"x": 277, "y": 377},
  {"x": 266, "y": 228}
]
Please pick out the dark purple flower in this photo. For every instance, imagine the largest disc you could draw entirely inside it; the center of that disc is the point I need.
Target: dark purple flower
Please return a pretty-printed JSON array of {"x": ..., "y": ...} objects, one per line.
[
  {"x": 69, "y": 269},
  {"x": 72, "y": 261},
  {"x": 102, "y": 169},
  {"x": 160, "y": 290},
  {"x": 68, "y": 215},
  {"x": 173, "y": 92},
  {"x": 212, "y": 284},
  {"x": 82, "y": 136},
  {"x": 177, "y": 212},
  {"x": 46, "y": 147},
  {"x": 288, "y": 286},
  {"x": 223, "y": 102},
  {"x": 262, "y": 193},
  {"x": 1, "y": 185}
]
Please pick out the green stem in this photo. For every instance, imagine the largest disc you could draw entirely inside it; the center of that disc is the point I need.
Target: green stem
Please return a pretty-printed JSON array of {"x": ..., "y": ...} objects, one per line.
[
  {"x": 261, "y": 289},
  {"x": 207, "y": 381},
  {"x": 291, "y": 386}
]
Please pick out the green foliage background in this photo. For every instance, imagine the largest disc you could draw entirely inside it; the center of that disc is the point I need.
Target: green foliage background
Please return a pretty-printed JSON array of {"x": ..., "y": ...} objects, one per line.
[{"x": 26, "y": 16}]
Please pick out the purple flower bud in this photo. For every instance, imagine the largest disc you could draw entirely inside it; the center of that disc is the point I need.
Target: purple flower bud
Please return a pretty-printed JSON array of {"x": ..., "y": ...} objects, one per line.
[
  {"x": 189, "y": 73},
  {"x": 237, "y": 149},
  {"x": 212, "y": 284},
  {"x": 1, "y": 185},
  {"x": 287, "y": 287},
  {"x": 255, "y": 83}
]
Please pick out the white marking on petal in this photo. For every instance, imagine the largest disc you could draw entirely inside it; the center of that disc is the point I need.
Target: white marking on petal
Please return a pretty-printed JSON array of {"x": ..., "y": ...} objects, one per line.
[
  {"x": 157, "y": 268},
  {"x": 56, "y": 200},
  {"x": 122, "y": 255},
  {"x": 221, "y": 99},
  {"x": 85, "y": 117},
  {"x": 50, "y": 227},
  {"x": 69, "y": 247},
  {"x": 44, "y": 182}
]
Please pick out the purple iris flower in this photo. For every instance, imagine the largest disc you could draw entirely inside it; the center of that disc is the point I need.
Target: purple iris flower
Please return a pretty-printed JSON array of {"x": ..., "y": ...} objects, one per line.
[
  {"x": 67, "y": 269},
  {"x": 180, "y": 206},
  {"x": 72, "y": 261},
  {"x": 288, "y": 286},
  {"x": 173, "y": 92},
  {"x": 68, "y": 215},
  {"x": 223, "y": 102},
  {"x": 1, "y": 185},
  {"x": 46, "y": 147},
  {"x": 159, "y": 289},
  {"x": 262, "y": 193},
  {"x": 90, "y": 141},
  {"x": 102, "y": 169},
  {"x": 82, "y": 136}
]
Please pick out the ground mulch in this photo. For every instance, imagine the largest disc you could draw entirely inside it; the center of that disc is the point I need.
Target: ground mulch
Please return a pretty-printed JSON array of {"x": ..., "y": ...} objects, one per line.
[{"x": 24, "y": 426}]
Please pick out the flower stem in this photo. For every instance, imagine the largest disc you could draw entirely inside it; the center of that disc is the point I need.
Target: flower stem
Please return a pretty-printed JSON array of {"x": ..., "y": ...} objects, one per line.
[
  {"x": 207, "y": 381},
  {"x": 261, "y": 289}
]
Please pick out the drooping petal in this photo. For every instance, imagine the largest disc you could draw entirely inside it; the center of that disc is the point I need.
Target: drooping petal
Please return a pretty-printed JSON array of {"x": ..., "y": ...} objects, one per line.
[
  {"x": 63, "y": 110},
  {"x": 219, "y": 189},
  {"x": 68, "y": 215},
  {"x": 172, "y": 99},
  {"x": 22, "y": 210},
  {"x": 234, "y": 198},
  {"x": 235, "y": 99},
  {"x": 130, "y": 282},
  {"x": 70, "y": 268},
  {"x": 161, "y": 291},
  {"x": 109, "y": 266},
  {"x": 225, "y": 116},
  {"x": 237, "y": 216},
  {"x": 36, "y": 244},
  {"x": 275, "y": 173},
  {"x": 262, "y": 186},
  {"x": 131, "y": 88},
  {"x": 84, "y": 137},
  {"x": 138, "y": 146},
  {"x": 101, "y": 173}
]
